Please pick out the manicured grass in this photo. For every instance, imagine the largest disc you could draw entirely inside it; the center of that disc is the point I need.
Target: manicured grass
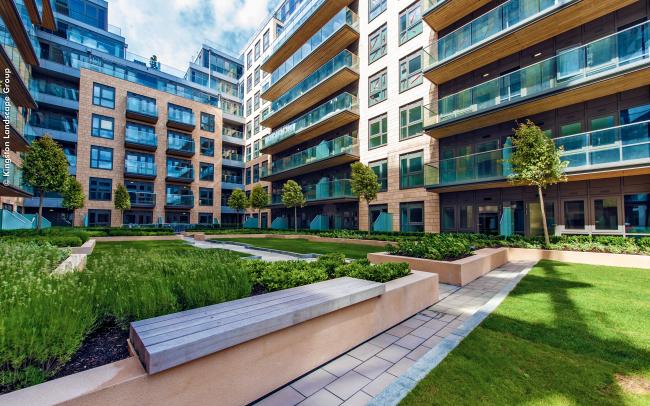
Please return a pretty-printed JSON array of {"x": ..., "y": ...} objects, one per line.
[
  {"x": 303, "y": 246},
  {"x": 171, "y": 247},
  {"x": 565, "y": 336}
]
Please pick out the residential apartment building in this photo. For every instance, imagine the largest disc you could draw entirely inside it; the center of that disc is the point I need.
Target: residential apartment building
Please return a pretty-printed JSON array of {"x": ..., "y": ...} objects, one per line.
[
  {"x": 18, "y": 56},
  {"x": 580, "y": 70}
]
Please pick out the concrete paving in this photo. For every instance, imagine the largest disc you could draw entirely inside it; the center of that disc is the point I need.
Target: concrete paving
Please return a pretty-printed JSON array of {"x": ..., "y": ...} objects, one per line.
[
  {"x": 365, "y": 372},
  {"x": 261, "y": 254}
]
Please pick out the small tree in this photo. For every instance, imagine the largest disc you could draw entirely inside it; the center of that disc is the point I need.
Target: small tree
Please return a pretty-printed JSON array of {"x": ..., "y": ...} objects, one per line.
[
  {"x": 238, "y": 201},
  {"x": 45, "y": 168},
  {"x": 365, "y": 185},
  {"x": 73, "y": 195},
  {"x": 536, "y": 161},
  {"x": 122, "y": 200},
  {"x": 292, "y": 197},
  {"x": 259, "y": 200}
]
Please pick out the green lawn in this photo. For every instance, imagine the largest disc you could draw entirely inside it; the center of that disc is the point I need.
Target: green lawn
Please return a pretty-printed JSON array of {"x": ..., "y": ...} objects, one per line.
[
  {"x": 169, "y": 247},
  {"x": 303, "y": 246},
  {"x": 565, "y": 336}
]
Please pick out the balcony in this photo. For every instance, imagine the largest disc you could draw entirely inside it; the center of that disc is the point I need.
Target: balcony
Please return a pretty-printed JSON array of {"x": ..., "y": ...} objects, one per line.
[
  {"x": 136, "y": 138},
  {"x": 231, "y": 182},
  {"x": 509, "y": 28},
  {"x": 141, "y": 108},
  {"x": 180, "y": 173},
  {"x": 16, "y": 139},
  {"x": 233, "y": 160},
  {"x": 138, "y": 169},
  {"x": 332, "y": 38},
  {"x": 324, "y": 192},
  {"x": 337, "y": 112},
  {"x": 232, "y": 136},
  {"x": 177, "y": 201},
  {"x": 13, "y": 184},
  {"x": 439, "y": 14},
  {"x": 303, "y": 25},
  {"x": 327, "y": 154},
  {"x": 609, "y": 65},
  {"x": 178, "y": 144},
  {"x": 142, "y": 199},
  {"x": 181, "y": 118},
  {"x": 335, "y": 75},
  {"x": 54, "y": 94},
  {"x": 621, "y": 151}
]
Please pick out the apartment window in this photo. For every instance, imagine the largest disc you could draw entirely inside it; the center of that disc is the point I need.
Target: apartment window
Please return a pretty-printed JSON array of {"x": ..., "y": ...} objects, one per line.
[
  {"x": 466, "y": 217},
  {"x": 256, "y": 149},
  {"x": 266, "y": 40},
  {"x": 248, "y": 176},
  {"x": 258, "y": 75},
  {"x": 101, "y": 157},
  {"x": 207, "y": 146},
  {"x": 249, "y": 129},
  {"x": 574, "y": 214},
  {"x": 411, "y": 170},
  {"x": 375, "y": 8},
  {"x": 410, "y": 71},
  {"x": 206, "y": 218},
  {"x": 249, "y": 107},
  {"x": 636, "y": 208},
  {"x": 256, "y": 102},
  {"x": 258, "y": 50},
  {"x": 410, "y": 120},
  {"x": 377, "y": 44},
  {"x": 100, "y": 189},
  {"x": 249, "y": 59},
  {"x": 207, "y": 122},
  {"x": 411, "y": 217},
  {"x": 206, "y": 171},
  {"x": 103, "y": 96},
  {"x": 103, "y": 127},
  {"x": 256, "y": 173},
  {"x": 264, "y": 169},
  {"x": 378, "y": 128},
  {"x": 410, "y": 22},
  {"x": 206, "y": 196},
  {"x": 249, "y": 83},
  {"x": 381, "y": 170},
  {"x": 377, "y": 88},
  {"x": 248, "y": 153},
  {"x": 448, "y": 221},
  {"x": 256, "y": 124},
  {"x": 99, "y": 218}
]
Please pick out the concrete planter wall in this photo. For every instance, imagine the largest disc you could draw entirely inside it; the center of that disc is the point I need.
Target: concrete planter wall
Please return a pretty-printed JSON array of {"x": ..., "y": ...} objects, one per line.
[
  {"x": 243, "y": 373},
  {"x": 576, "y": 257},
  {"x": 139, "y": 238}
]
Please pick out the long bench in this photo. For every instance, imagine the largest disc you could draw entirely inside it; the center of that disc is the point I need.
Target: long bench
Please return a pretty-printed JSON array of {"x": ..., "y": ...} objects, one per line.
[{"x": 168, "y": 341}]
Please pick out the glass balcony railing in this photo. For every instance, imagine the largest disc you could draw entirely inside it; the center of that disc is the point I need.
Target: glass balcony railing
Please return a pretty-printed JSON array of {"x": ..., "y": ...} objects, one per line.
[
  {"x": 16, "y": 120},
  {"x": 233, "y": 157},
  {"x": 134, "y": 135},
  {"x": 428, "y": 5},
  {"x": 326, "y": 149},
  {"x": 344, "y": 17},
  {"x": 335, "y": 189},
  {"x": 142, "y": 199},
  {"x": 231, "y": 179},
  {"x": 297, "y": 21},
  {"x": 140, "y": 105},
  {"x": 139, "y": 168},
  {"x": 39, "y": 86},
  {"x": 625, "y": 145},
  {"x": 182, "y": 116},
  {"x": 342, "y": 102},
  {"x": 180, "y": 172},
  {"x": 53, "y": 121},
  {"x": 176, "y": 200},
  {"x": 14, "y": 178},
  {"x": 345, "y": 59},
  {"x": 496, "y": 22},
  {"x": 6, "y": 41},
  {"x": 622, "y": 51},
  {"x": 229, "y": 132},
  {"x": 180, "y": 143}
]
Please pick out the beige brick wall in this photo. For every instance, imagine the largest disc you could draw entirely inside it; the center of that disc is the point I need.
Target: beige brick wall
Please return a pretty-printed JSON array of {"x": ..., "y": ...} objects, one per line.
[{"x": 85, "y": 140}]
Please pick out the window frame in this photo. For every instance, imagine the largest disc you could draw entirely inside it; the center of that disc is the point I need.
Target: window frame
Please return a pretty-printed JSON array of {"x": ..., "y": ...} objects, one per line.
[
  {"x": 382, "y": 34},
  {"x": 407, "y": 108},
  {"x": 99, "y": 149},
  {"x": 383, "y": 181},
  {"x": 410, "y": 173},
  {"x": 381, "y": 78},
  {"x": 383, "y": 123},
  {"x": 100, "y": 119},
  {"x": 97, "y": 194},
  {"x": 412, "y": 8},
  {"x": 98, "y": 100},
  {"x": 406, "y": 76}
]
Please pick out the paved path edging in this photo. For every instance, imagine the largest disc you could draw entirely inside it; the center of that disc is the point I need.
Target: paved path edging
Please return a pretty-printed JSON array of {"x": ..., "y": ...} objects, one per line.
[{"x": 395, "y": 392}]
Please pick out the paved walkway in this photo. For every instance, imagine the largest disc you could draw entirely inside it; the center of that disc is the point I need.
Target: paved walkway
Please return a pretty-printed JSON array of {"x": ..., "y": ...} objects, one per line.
[
  {"x": 363, "y": 373},
  {"x": 261, "y": 254}
]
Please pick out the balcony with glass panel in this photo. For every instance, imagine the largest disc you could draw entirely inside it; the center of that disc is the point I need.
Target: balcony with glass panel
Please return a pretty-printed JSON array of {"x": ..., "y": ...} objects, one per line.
[
  {"x": 18, "y": 142},
  {"x": 619, "y": 61},
  {"x": 17, "y": 53},
  {"x": 141, "y": 108},
  {"x": 232, "y": 136},
  {"x": 139, "y": 169},
  {"x": 180, "y": 171},
  {"x": 327, "y": 154},
  {"x": 12, "y": 183},
  {"x": 233, "y": 159},
  {"x": 323, "y": 192},
  {"x": 231, "y": 182},
  {"x": 179, "y": 201},
  {"x": 138, "y": 137},
  {"x": 54, "y": 93},
  {"x": 337, "y": 112},
  {"x": 511, "y": 27},
  {"x": 621, "y": 148},
  {"x": 180, "y": 144},
  {"x": 439, "y": 14},
  {"x": 142, "y": 199},
  {"x": 334, "y": 75},
  {"x": 181, "y": 118},
  {"x": 302, "y": 25},
  {"x": 335, "y": 36}
]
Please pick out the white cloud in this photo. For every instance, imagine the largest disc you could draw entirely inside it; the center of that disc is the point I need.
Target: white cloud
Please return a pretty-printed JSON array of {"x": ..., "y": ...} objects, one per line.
[{"x": 175, "y": 29}]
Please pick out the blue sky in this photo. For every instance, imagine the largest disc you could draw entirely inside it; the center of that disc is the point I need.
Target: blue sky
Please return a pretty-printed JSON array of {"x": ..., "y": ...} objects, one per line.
[{"x": 174, "y": 29}]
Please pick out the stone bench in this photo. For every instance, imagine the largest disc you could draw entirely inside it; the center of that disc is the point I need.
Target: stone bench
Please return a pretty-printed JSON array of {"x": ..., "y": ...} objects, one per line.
[{"x": 168, "y": 341}]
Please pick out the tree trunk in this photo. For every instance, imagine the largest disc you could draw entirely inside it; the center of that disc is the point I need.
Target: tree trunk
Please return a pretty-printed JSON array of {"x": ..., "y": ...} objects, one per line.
[
  {"x": 259, "y": 219},
  {"x": 547, "y": 240},
  {"x": 369, "y": 218},
  {"x": 40, "y": 211},
  {"x": 241, "y": 223},
  {"x": 295, "y": 219}
]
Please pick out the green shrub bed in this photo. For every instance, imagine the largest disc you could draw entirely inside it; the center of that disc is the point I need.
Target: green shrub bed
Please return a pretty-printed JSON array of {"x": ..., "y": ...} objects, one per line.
[{"x": 74, "y": 236}]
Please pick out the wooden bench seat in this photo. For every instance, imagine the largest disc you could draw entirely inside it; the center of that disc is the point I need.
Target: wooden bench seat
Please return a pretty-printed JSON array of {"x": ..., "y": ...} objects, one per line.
[{"x": 167, "y": 341}]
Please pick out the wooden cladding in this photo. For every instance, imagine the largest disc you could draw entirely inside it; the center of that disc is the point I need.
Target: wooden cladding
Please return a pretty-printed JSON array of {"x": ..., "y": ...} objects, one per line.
[{"x": 451, "y": 11}]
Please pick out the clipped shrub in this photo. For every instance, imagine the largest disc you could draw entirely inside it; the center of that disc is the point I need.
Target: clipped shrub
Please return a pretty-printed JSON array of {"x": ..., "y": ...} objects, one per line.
[
  {"x": 439, "y": 247},
  {"x": 378, "y": 273}
]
